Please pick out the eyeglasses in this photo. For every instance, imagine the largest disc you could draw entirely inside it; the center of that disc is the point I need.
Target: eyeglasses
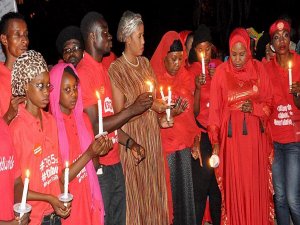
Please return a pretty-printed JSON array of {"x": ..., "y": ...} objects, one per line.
[
  {"x": 42, "y": 86},
  {"x": 69, "y": 90},
  {"x": 71, "y": 50}
]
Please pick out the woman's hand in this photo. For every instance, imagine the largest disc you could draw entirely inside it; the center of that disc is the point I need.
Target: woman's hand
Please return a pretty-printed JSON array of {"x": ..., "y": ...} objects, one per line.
[
  {"x": 101, "y": 146},
  {"x": 196, "y": 150},
  {"x": 200, "y": 80},
  {"x": 159, "y": 105},
  {"x": 216, "y": 149},
  {"x": 59, "y": 207},
  {"x": 137, "y": 151},
  {"x": 247, "y": 106},
  {"x": 180, "y": 107},
  {"x": 295, "y": 88},
  {"x": 164, "y": 123}
]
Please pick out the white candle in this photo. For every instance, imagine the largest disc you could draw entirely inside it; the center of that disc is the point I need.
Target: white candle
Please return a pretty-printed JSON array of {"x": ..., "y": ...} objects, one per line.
[
  {"x": 100, "y": 118},
  {"x": 168, "y": 111},
  {"x": 66, "y": 183},
  {"x": 202, "y": 62},
  {"x": 25, "y": 191},
  {"x": 162, "y": 93},
  {"x": 290, "y": 75},
  {"x": 150, "y": 86},
  {"x": 214, "y": 161}
]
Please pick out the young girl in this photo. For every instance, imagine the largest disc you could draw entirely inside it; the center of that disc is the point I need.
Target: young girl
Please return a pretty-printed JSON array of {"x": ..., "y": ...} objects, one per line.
[
  {"x": 34, "y": 134},
  {"x": 75, "y": 138}
]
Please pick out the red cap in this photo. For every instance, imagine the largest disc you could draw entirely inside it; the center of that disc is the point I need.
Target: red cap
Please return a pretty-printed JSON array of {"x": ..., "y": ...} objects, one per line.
[{"x": 278, "y": 26}]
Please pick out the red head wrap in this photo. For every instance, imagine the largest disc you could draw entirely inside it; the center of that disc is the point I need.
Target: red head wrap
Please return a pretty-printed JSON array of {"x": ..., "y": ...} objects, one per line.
[{"x": 279, "y": 25}]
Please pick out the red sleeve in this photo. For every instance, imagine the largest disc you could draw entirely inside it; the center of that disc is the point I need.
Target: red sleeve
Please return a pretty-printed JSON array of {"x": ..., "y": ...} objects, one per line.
[
  {"x": 87, "y": 86},
  {"x": 262, "y": 108},
  {"x": 215, "y": 107}
]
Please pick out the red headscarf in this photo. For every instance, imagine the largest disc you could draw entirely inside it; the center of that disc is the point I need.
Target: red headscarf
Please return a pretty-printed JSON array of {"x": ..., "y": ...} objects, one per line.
[
  {"x": 184, "y": 128},
  {"x": 279, "y": 25},
  {"x": 184, "y": 34},
  {"x": 245, "y": 73}
]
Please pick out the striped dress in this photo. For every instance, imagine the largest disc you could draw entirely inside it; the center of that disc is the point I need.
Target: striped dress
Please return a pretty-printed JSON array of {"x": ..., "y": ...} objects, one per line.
[{"x": 146, "y": 194}]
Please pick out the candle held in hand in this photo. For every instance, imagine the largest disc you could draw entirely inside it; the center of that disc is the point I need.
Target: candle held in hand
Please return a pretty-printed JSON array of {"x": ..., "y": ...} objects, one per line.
[
  {"x": 66, "y": 183},
  {"x": 25, "y": 191},
  {"x": 100, "y": 117}
]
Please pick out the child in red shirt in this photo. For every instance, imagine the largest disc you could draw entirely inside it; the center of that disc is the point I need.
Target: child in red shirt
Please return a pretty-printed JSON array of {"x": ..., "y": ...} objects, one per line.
[
  {"x": 35, "y": 138},
  {"x": 75, "y": 140}
]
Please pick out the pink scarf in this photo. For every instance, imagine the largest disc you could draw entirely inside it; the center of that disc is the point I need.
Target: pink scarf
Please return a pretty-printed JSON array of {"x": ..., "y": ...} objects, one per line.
[{"x": 85, "y": 138}]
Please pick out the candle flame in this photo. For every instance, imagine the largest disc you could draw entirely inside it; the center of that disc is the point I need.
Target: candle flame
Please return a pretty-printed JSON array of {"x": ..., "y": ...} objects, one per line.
[
  {"x": 202, "y": 54},
  {"x": 290, "y": 65},
  {"x": 67, "y": 164},
  {"x": 169, "y": 88},
  {"x": 148, "y": 83},
  {"x": 97, "y": 94},
  {"x": 161, "y": 88},
  {"x": 27, "y": 173}
]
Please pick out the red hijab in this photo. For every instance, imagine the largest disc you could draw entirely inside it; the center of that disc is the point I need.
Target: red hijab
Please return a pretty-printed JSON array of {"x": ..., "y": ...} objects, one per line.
[{"x": 246, "y": 72}]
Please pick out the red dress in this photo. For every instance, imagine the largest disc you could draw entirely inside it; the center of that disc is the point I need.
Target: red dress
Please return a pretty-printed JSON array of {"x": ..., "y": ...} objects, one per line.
[{"x": 243, "y": 175}]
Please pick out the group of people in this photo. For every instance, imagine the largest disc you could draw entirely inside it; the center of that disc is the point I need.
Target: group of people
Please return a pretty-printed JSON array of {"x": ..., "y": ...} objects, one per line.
[{"x": 138, "y": 134}]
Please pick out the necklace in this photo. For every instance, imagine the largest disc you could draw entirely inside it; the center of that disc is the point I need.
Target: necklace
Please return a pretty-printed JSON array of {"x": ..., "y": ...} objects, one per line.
[{"x": 134, "y": 65}]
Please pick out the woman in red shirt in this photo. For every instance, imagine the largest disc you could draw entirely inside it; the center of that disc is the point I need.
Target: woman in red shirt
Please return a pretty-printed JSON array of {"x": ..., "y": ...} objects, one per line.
[
  {"x": 75, "y": 138},
  {"x": 285, "y": 125},
  {"x": 240, "y": 104},
  {"x": 168, "y": 65}
]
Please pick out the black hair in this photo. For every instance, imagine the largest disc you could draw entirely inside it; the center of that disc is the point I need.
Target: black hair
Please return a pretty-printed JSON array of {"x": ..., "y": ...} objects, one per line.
[
  {"x": 176, "y": 46},
  {"x": 69, "y": 70},
  {"x": 68, "y": 33},
  {"x": 261, "y": 46},
  {"x": 6, "y": 18},
  {"x": 88, "y": 22}
]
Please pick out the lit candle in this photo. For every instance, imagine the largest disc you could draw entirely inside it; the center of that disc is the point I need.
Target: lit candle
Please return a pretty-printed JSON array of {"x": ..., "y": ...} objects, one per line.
[
  {"x": 25, "y": 191},
  {"x": 162, "y": 93},
  {"x": 202, "y": 62},
  {"x": 150, "y": 86},
  {"x": 290, "y": 75},
  {"x": 214, "y": 161},
  {"x": 100, "y": 118},
  {"x": 66, "y": 183},
  {"x": 168, "y": 111}
]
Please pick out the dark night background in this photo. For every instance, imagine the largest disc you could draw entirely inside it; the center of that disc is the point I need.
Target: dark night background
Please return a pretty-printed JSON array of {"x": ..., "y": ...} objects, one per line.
[{"x": 47, "y": 17}]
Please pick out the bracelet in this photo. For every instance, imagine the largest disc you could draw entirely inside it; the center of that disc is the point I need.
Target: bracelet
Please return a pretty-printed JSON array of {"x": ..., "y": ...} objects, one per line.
[{"x": 127, "y": 143}]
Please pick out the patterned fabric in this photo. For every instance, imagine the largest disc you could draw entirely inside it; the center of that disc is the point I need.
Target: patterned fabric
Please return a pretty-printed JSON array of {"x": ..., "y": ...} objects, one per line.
[
  {"x": 27, "y": 66},
  {"x": 146, "y": 193}
]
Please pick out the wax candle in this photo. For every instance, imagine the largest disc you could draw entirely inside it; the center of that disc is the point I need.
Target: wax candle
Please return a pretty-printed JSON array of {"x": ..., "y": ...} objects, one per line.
[
  {"x": 162, "y": 93},
  {"x": 202, "y": 62},
  {"x": 290, "y": 75},
  {"x": 100, "y": 118},
  {"x": 66, "y": 183},
  {"x": 150, "y": 86},
  {"x": 168, "y": 111},
  {"x": 25, "y": 191}
]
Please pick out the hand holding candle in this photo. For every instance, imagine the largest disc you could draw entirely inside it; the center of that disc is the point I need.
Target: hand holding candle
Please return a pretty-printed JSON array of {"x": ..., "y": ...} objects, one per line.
[
  {"x": 290, "y": 75},
  {"x": 66, "y": 183},
  {"x": 100, "y": 113}
]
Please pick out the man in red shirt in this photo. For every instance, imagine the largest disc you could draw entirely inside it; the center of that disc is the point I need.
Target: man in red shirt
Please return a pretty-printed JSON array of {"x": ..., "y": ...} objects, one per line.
[
  {"x": 14, "y": 38},
  {"x": 94, "y": 77},
  {"x": 10, "y": 179}
]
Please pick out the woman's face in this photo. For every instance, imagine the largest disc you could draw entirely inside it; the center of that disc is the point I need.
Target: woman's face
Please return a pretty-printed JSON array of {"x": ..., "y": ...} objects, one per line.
[
  {"x": 136, "y": 41},
  {"x": 238, "y": 55},
  {"x": 38, "y": 90},
  {"x": 204, "y": 47},
  {"x": 173, "y": 62},
  {"x": 281, "y": 42},
  {"x": 68, "y": 93}
]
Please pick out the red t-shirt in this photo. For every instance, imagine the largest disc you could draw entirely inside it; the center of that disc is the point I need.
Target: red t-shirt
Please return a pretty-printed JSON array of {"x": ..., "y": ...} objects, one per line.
[
  {"x": 107, "y": 60},
  {"x": 285, "y": 119},
  {"x": 82, "y": 212},
  {"x": 5, "y": 88},
  {"x": 94, "y": 77},
  {"x": 37, "y": 150},
  {"x": 196, "y": 69},
  {"x": 9, "y": 171}
]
